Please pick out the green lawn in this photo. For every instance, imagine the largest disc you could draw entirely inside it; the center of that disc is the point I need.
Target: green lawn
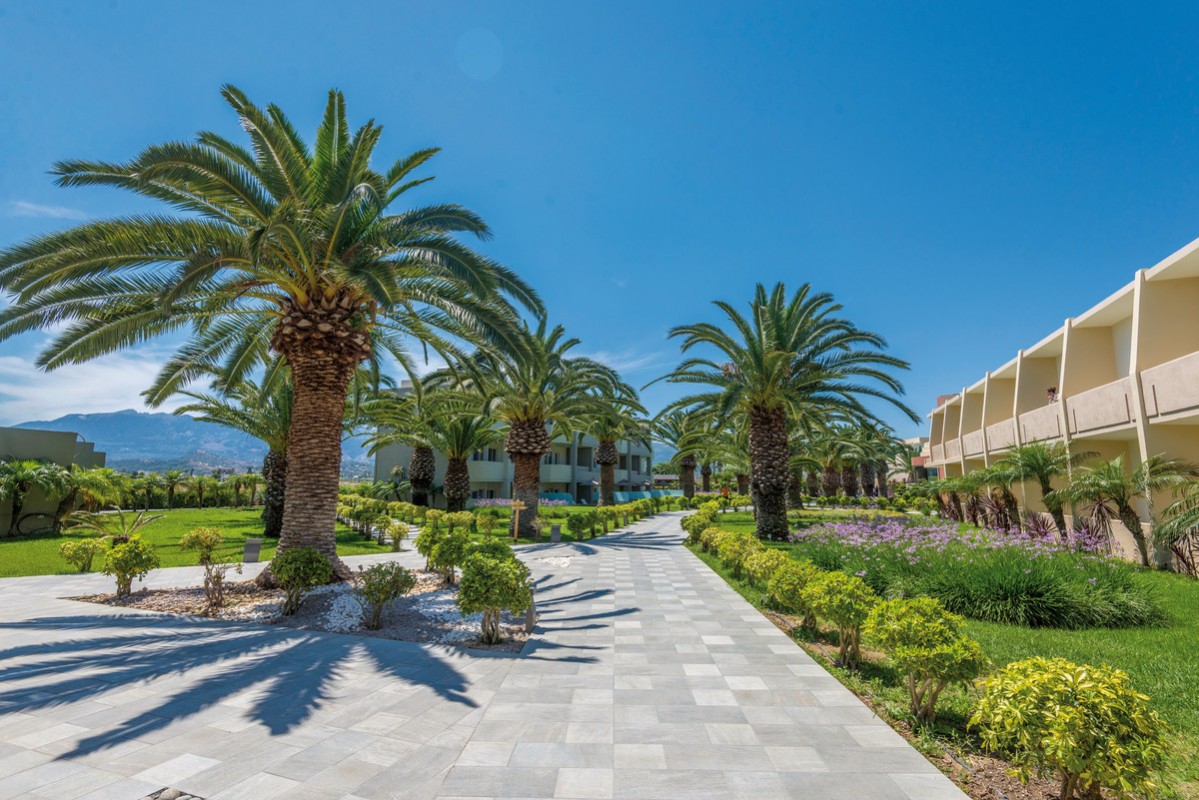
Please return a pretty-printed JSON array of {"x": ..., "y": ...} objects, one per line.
[
  {"x": 38, "y": 555},
  {"x": 1160, "y": 660}
]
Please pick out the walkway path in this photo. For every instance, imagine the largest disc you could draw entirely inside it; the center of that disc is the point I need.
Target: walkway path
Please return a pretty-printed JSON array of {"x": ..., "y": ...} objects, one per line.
[{"x": 651, "y": 679}]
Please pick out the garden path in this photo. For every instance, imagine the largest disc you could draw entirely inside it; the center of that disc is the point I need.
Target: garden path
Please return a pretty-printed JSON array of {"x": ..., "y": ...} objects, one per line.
[{"x": 650, "y": 678}]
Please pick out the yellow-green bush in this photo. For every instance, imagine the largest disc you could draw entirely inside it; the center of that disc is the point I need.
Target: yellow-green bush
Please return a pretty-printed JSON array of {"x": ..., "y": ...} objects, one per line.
[
  {"x": 735, "y": 548},
  {"x": 760, "y": 566},
  {"x": 845, "y": 601},
  {"x": 926, "y": 643},
  {"x": 708, "y": 538},
  {"x": 1085, "y": 724},
  {"x": 785, "y": 589}
]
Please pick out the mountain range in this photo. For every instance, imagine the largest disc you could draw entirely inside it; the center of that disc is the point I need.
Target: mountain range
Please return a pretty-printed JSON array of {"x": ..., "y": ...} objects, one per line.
[{"x": 155, "y": 442}]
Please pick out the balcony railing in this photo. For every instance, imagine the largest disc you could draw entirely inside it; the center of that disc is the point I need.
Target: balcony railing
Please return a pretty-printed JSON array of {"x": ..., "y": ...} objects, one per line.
[
  {"x": 1172, "y": 387},
  {"x": 1041, "y": 423},
  {"x": 1104, "y": 406},
  {"x": 1001, "y": 435},
  {"x": 972, "y": 443},
  {"x": 938, "y": 452},
  {"x": 953, "y": 449}
]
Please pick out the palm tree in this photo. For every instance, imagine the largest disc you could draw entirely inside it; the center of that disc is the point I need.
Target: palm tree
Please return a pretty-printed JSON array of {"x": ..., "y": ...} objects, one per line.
[
  {"x": 281, "y": 247},
  {"x": 538, "y": 393},
  {"x": 19, "y": 477},
  {"x": 790, "y": 359},
  {"x": 251, "y": 482},
  {"x": 204, "y": 487},
  {"x": 457, "y": 437},
  {"x": 1043, "y": 463},
  {"x": 620, "y": 415},
  {"x": 173, "y": 480},
  {"x": 679, "y": 429},
  {"x": 146, "y": 486},
  {"x": 262, "y": 410},
  {"x": 93, "y": 487},
  {"x": 1110, "y": 491}
]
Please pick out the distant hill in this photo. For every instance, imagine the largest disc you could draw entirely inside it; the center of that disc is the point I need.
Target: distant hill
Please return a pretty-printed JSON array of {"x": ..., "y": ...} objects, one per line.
[{"x": 156, "y": 442}]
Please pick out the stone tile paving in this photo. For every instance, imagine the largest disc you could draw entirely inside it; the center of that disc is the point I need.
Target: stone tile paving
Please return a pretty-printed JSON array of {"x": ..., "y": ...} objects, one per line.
[{"x": 650, "y": 678}]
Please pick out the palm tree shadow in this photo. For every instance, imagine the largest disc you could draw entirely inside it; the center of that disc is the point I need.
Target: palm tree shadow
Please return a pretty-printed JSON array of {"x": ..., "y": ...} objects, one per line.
[{"x": 285, "y": 674}]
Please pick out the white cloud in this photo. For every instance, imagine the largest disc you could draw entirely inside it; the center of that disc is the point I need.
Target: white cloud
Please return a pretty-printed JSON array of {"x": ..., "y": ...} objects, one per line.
[
  {"x": 627, "y": 361},
  {"x": 23, "y": 208},
  {"x": 112, "y": 383}
]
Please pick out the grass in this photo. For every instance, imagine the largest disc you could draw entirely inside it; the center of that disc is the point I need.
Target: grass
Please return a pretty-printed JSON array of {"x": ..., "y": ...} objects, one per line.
[
  {"x": 1160, "y": 660},
  {"x": 38, "y": 555}
]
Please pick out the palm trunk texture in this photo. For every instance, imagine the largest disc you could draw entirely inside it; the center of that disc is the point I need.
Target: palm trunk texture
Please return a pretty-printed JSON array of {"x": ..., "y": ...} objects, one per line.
[{"x": 770, "y": 460}]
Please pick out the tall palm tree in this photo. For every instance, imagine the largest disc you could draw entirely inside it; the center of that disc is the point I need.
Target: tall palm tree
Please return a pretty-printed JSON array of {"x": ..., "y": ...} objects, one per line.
[
  {"x": 457, "y": 437},
  {"x": 790, "y": 358},
  {"x": 680, "y": 429},
  {"x": 619, "y": 415},
  {"x": 538, "y": 393},
  {"x": 19, "y": 477},
  {"x": 146, "y": 485},
  {"x": 262, "y": 410},
  {"x": 1110, "y": 491},
  {"x": 1043, "y": 463},
  {"x": 251, "y": 481},
  {"x": 281, "y": 246}
]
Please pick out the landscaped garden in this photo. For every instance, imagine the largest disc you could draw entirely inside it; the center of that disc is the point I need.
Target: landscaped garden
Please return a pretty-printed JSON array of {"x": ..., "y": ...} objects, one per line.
[{"x": 1018, "y": 597}]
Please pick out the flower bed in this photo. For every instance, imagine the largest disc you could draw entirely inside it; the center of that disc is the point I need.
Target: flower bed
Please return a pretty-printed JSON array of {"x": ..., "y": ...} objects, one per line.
[{"x": 985, "y": 574}]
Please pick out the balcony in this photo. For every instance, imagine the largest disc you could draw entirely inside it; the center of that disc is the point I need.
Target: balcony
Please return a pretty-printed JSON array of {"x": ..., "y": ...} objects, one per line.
[
  {"x": 1001, "y": 435},
  {"x": 1173, "y": 387},
  {"x": 938, "y": 453},
  {"x": 1104, "y": 406},
  {"x": 555, "y": 473},
  {"x": 972, "y": 443},
  {"x": 953, "y": 449},
  {"x": 1041, "y": 423},
  {"x": 488, "y": 471}
]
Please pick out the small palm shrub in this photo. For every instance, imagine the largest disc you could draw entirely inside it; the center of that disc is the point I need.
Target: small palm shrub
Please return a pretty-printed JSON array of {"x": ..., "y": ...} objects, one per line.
[
  {"x": 376, "y": 587},
  {"x": 297, "y": 571},
  {"x": 128, "y": 560},
  {"x": 204, "y": 541},
  {"x": 489, "y": 585},
  {"x": 845, "y": 601},
  {"x": 1085, "y": 724},
  {"x": 761, "y": 565},
  {"x": 927, "y": 644},
  {"x": 735, "y": 548},
  {"x": 449, "y": 551},
  {"x": 784, "y": 591},
  {"x": 80, "y": 553}
]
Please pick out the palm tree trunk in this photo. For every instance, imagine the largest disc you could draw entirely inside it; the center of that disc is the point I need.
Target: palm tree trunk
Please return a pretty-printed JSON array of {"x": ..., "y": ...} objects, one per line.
[
  {"x": 849, "y": 481},
  {"x": 274, "y": 474},
  {"x": 813, "y": 482},
  {"x": 770, "y": 458},
  {"x": 1132, "y": 521},
  {"x": 742, "y": 484},
  {"x": 457, "y": 484},
  {"x": 795, "y": 491},
  {"x": 705, "y": 474},
  {"x": 866, "y": 478},
  {"x": 687, "y": 475},
  {"x": 829, "y": 482},
  {"x": 421, "y": 471},
  {"x": 1055, "y": 509},
  {"x": 65, "y": 506},
  {"x": 526, "y": 444},
  {"x": 606, "y": 456},
  {"x": 323, "y": 349},
  {"x": 18, "y": 504}
]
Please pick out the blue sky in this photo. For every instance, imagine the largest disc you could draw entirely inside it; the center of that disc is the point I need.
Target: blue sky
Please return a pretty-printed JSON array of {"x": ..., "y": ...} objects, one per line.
[{"x": 962, "y": 177}]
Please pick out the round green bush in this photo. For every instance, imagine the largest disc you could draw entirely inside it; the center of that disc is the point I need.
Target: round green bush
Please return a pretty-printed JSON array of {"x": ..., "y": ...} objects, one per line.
[
  {"x": 761, "y": 565},
  {"x": 489, "y": 585},
  {"x": 128, "y": 560},
  {"x": 845, "y": 601},
  {"x": 377, "y": 586},
  {"x": 297, "y": 570}
]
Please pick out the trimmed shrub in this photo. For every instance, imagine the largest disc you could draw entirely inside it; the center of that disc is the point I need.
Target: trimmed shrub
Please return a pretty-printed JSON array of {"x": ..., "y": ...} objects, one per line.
[
  {"x": 80, "y": 553},
  {"x": 128, "y": 560},
  {"x": 396, "y": 532},
  {"x": 579, "y": 523},
  {"x": 494, "y": 548},
  {"x": 205, "y": 541},
  {"x": 761, "y": 565},
  {"x": 845, "y": 601},
  {"x": 489, "y": 585},
  {"x": 296, "y": 571},
  {"x": 926, "y": 643},
  {"x": 376, "y": 586},
  {"x": 449, "y": 551},
  {"x": 487, "y": 521},
  {"x": 426, "y": 543},
  {"x": 735, "y": 548},
  {"x": 1085, "y": 724},
  {"x": 785, "y": 589}
]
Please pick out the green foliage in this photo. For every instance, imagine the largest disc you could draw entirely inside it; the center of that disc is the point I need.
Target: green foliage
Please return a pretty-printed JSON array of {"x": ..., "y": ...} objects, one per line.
[
  {"x": 396, "y": 532},
  {"x": 80, "y": 553},
  {"x": 460, "y": 520},
  {"x": 449, "y": 551},
  {"x": 203, "y": 540},
  {"x": 735, "y": 548},
  {"x": 434, "y": 518},
  {"x": 761, "y": 565},
  {"x": 845, "y": 601},
  {"x": 494, "y": 548},
  {"x": 376, "y": 587},
  {"x": 786, "y": 586},
  {"x": 426, "y": 542},
  {"x": 487, "y": 521},
  {"x": 710, "y": 538},
  {"x": 1086, "y": 724},
  {"x": 926, "y": 643},
  {"x": 580, "y": 523},
  {"x": 129, "y": 560},
  {"x": 489, "y": 585},
  {"x": 297, "y": 570}
]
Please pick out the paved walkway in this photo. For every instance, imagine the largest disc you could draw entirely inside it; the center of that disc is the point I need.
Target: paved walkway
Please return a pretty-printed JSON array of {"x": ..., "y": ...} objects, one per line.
[{"x": 651, "y": 679}]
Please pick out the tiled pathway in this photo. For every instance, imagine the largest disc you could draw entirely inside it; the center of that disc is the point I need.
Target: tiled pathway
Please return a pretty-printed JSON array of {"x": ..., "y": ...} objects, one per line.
[{"x": 651, "y": 679}]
